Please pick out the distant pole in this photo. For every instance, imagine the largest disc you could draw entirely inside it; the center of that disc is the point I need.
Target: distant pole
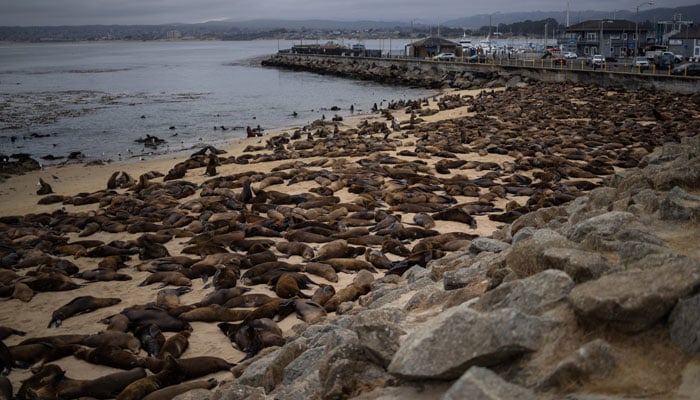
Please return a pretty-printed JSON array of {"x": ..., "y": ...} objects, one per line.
[{"x": 636, "y": 26}]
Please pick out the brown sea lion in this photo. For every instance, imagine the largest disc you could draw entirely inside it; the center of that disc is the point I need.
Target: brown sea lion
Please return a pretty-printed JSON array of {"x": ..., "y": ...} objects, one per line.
[
  {"x": 457, "y": 214},
  {"x": 424, "y": 220},
  {"x": 151, "y": 338},
  {"x": 109, "y": 356},
  {"x": 349, "y": 264},
  {"x": 309, "y": 311},
  {"x": 102, "y": 275},
  {"x": 170, "y": 392},
  {"x": 155, "y": 315},
  {"x": 171, "y": 374},
  {"x": 51, "y": 282},
  {"x": 22, "y": 292},
  {"x": 120, "y": 340},
  {"x": 277, "y": 309},
  {"x": 323, "y": 294},
  {"x": 193, "y": 367},
  {"x": 175, "y": 345},
  {"x": 296, "y": 249},
  {"x": 226, "y": 277},
  {"x": 335, "y": 249},
  {"x": 81, "y": 305},
  {"x": 5, "y": 388},
  {"x": 44, "y": 188},
  {"x": 221, "y": 296},
  {"x": 348, "y": 293},
  {"x": 323, "y": 270},
  {"x": 306, "y": 237},
  {"x": 248, "y": 300},
  {"x": 167, "y": 278},
  {"x": 43, "y": 384},
  {"x": 214, "y": 313},
  {"x": 6, "y": 332},
  {"x": 287, "y": 286},
  {"x": 170, "y": 298},
  {"x": 6, "y": 359},
  {"x": 117, "y": 323},
  {"x": 104, "y": 387},
  {"x": 377, "y": 259}
]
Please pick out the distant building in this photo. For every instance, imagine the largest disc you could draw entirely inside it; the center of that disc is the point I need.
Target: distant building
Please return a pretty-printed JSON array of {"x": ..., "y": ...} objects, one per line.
[
  {"x": 432, "y": 46},
  {"x": 616, "y": 38},
  {"x": 686, "y": 42},
  {"x": 173, "y": 34}
]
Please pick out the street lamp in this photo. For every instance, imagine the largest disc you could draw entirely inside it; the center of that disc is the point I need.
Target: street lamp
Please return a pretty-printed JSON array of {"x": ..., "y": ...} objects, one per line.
[
  {"x": 636, "y": 26},
  {"x": 601, "y": 34}
]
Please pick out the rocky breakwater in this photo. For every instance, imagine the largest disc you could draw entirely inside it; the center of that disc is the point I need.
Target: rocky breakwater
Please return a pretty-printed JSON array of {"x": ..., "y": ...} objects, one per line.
[{"x": 399, "y": 72}]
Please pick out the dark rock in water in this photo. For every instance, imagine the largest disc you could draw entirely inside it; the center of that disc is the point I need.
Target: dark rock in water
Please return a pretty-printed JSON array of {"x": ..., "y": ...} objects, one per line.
[
  {"x": 634, "y": 300},
  {"x": 440, "y": 349},
  {"x": 484, "y": 384},
  {"x": 51, "y": 157},
  {"x": 75, "y": 155},
  {"x": 685, "y": 325},
  {"x": 594, "y": 360},
  {"x": 151, "y": 141}
]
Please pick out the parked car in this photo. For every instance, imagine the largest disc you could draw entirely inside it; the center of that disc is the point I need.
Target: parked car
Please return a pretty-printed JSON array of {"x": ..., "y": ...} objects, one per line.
[
  {"x": 598, "y": 60},
  {"x": 444, "y": 57},
  {"x": 570, "y": 55},
  {"x": 559, "y": 60},
  {"x": 689, "y": 69},
  {"x": 610, "y": 59},
  {"x": 641, "y": 63},
  {"x": 477, "y": 58}
]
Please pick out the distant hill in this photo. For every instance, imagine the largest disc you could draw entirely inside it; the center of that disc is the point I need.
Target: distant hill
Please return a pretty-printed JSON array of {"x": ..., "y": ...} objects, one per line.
[{"x": 691, "y": 13}]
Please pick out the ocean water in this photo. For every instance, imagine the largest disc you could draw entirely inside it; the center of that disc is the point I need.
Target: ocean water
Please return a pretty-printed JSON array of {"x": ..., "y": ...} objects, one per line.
[{"x": 99, "y": 98}]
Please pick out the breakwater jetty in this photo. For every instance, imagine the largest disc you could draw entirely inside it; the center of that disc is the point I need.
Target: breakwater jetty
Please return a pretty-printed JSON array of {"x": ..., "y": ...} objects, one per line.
[{"x": 441, "y": 74}]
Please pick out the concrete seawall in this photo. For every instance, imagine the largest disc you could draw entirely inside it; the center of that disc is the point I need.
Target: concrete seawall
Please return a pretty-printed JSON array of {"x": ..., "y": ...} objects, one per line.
[{"x": 434, "y": 74}]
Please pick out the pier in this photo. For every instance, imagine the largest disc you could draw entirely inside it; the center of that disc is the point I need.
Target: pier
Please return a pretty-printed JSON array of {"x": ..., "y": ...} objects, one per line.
[{"x": 494, "y": 72}]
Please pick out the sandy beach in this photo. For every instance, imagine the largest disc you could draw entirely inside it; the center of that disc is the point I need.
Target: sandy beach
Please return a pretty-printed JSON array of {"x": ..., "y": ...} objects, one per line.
[{"x": 18, "y": 197}]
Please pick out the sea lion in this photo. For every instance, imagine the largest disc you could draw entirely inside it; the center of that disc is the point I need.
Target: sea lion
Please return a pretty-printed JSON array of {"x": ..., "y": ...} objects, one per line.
[
  {"x": 214, "y": 313},
  {"x": 155, "y": 315},
  {"x": 175, "y": 345},
  {"x": 171, "y": 374},
  {"x": 221, "y": 296},
  {"x": 170, "y": 298},
  {"x": 43, "y": 384},
  {"x": 334, "y": 249},
  {"x": 377, "y": 259},
  {"x": 306, "y": 237},
  {"x": 150, "y": 338},
  {"x": 22, "y": 292},
  {"x": 109, "y": 356},
  {"x": 323, "y": 270},
  {"x": 6, "y": 359},
  {"x": 80, "y": 305},
  {"x": 296, "y": 249},
  {"x": 102, "y": 275},
  {"x": 51, "y": 282},
  {"x": 253, "y": 335},
  {"x": 5, "y": 388},
  {"x": 457, "y": 214},
  {"x": 120, "y": 340},
  {"x": 349, "y": 264},
  {"x": 248, "y": 300},
  {"x": 226, "y": 277},
  {"x": 117, "y": 323},
  {"x": 44, "y": 188},
  {"x": 309, "y": 311},
  {"x": 170, "y": 392},
  {"x": 193, "y": 367},
  {"x": 277, "y": 309},
  {"x": 348, "y": 293},
  {"x": 424, "y": 220},
  {"x": 6, "y": 332},
  {"x": 323, "y": 294},
  {"x": 104, "y": 387},
  {"x": 287, "y": 286},
  {"x": 174, "y": 278}
]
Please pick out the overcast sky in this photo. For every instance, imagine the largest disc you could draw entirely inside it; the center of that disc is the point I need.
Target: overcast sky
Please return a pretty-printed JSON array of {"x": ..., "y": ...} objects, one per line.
[{"x": 83, "y": 12}]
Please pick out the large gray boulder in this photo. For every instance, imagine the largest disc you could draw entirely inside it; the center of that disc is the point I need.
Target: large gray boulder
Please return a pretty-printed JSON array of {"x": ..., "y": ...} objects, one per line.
[
  {"x": 348, "y": 370},
  {"x": 599, "y": 232},
  {"x": 679, "y": 205},
  {"x": 236, "y": 391},
  {"x": 580, "y": 265},
  {"x": 533, "y": 295},
  {"x": 685, "y": 325},
  {"x": 447, "y": 345},
  {"x": 268, "y": 371},
  {"x": 483, "y": 384},
  {"x": 301, "y": 380},
  {"x": 634, "y": 300},
  {"x": 526, "y": 256}
]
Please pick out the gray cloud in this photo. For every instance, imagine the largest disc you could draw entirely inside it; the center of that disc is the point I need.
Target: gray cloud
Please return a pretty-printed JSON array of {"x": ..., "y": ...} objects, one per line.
[{"x": 79, "y": 12}]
